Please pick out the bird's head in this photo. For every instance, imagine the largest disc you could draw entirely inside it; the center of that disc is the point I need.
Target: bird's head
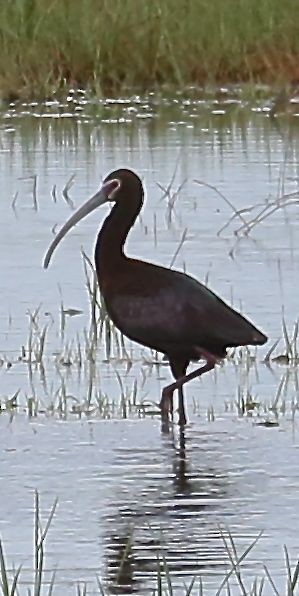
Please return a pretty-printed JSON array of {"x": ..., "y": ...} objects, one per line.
[
  {"x": 125, "y": 184},
  {"x": 117, "y": 185}
]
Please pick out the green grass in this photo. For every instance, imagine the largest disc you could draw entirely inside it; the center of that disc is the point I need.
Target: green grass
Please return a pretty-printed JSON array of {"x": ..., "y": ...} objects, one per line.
[{"x": 110, "y": 45}]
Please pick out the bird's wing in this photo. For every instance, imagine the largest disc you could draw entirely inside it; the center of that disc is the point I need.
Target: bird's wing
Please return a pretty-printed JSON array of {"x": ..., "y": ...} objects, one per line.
[
  {"x": 173, "y": 309},
  {"x": 153, "y": 319}
]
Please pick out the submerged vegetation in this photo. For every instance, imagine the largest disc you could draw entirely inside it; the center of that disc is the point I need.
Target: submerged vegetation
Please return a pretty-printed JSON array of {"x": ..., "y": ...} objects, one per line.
[{"x": 109, "y": 46}]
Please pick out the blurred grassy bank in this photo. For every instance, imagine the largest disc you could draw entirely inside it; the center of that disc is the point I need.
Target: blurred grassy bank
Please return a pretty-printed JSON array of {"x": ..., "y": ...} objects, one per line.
[{"x": 109, "y": 45}]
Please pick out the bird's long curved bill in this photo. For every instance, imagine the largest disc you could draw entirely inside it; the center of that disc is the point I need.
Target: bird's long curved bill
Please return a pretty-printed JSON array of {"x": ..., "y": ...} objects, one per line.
[{"x": 101, "y": 197}]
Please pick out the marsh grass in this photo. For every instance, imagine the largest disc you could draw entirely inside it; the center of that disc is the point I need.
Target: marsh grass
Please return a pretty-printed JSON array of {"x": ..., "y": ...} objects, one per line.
[
  {"x": 10, "y": 585},
  {"x": 83, "y": 357},
  {"x": 46, "y": 46}
]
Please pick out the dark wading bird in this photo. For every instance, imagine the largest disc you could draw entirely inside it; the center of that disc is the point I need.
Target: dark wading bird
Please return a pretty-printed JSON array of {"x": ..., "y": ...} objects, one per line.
[{"x": 162, "y": 309}]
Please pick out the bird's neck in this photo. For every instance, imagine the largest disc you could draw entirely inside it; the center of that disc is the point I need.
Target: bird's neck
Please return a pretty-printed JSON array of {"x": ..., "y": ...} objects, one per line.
[{"x": 109, "y": 251}]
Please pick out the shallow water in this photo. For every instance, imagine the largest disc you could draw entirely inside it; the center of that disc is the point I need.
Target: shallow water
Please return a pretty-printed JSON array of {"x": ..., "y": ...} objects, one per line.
[{"x": 122, "y": 480}]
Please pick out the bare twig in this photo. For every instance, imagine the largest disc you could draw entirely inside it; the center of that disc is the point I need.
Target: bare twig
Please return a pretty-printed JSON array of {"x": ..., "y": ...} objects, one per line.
[{"x": 65, "y": 191}]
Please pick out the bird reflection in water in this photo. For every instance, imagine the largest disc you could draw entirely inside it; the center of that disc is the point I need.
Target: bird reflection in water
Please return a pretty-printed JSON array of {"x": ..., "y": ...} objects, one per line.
[
  {"x": 181, "y": 480},
  {"x": 174, "y": 512}
]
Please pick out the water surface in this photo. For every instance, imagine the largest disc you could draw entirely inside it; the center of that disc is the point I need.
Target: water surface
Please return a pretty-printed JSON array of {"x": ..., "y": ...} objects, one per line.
[{"x": 120, "y": 481}]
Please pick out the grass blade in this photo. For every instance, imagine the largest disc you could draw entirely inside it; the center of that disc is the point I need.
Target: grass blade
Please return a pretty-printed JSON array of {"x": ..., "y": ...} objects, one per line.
[
  {"x": 271, "y": 581},
  {"x": 4, "y": 579}
]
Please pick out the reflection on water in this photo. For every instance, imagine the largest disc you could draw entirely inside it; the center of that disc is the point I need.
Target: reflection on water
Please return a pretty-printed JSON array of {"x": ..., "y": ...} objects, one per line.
[
  {"x": 172, "y": 514},
  {"x": 174, "y": 503},
  {"x": 127, "y": 492}
]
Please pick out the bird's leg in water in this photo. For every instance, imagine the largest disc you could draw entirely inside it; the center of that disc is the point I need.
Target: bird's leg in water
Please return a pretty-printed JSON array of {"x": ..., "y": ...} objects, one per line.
[
  {"x": 178, "y": 365},
  {"x": 165, "y": 411},
  {"x": 181, "y": 409},
  {"x": 171, "y": 408},
  {"x": 167, "y": 392},
  {"x": 166, "y": 404}
]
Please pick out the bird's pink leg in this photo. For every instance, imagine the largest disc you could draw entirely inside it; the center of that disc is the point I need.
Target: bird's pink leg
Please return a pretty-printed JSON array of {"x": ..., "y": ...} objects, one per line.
[{"x": 167, "y": 393}]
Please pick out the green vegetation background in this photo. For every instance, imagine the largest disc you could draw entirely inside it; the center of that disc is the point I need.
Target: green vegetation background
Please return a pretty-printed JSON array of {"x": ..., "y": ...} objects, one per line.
[{"x": 110, "y": 45}]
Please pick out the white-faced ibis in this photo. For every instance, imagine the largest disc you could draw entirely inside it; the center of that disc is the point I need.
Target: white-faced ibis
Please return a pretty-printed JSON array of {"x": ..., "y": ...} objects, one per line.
[{"x": 160, "y": 308}]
